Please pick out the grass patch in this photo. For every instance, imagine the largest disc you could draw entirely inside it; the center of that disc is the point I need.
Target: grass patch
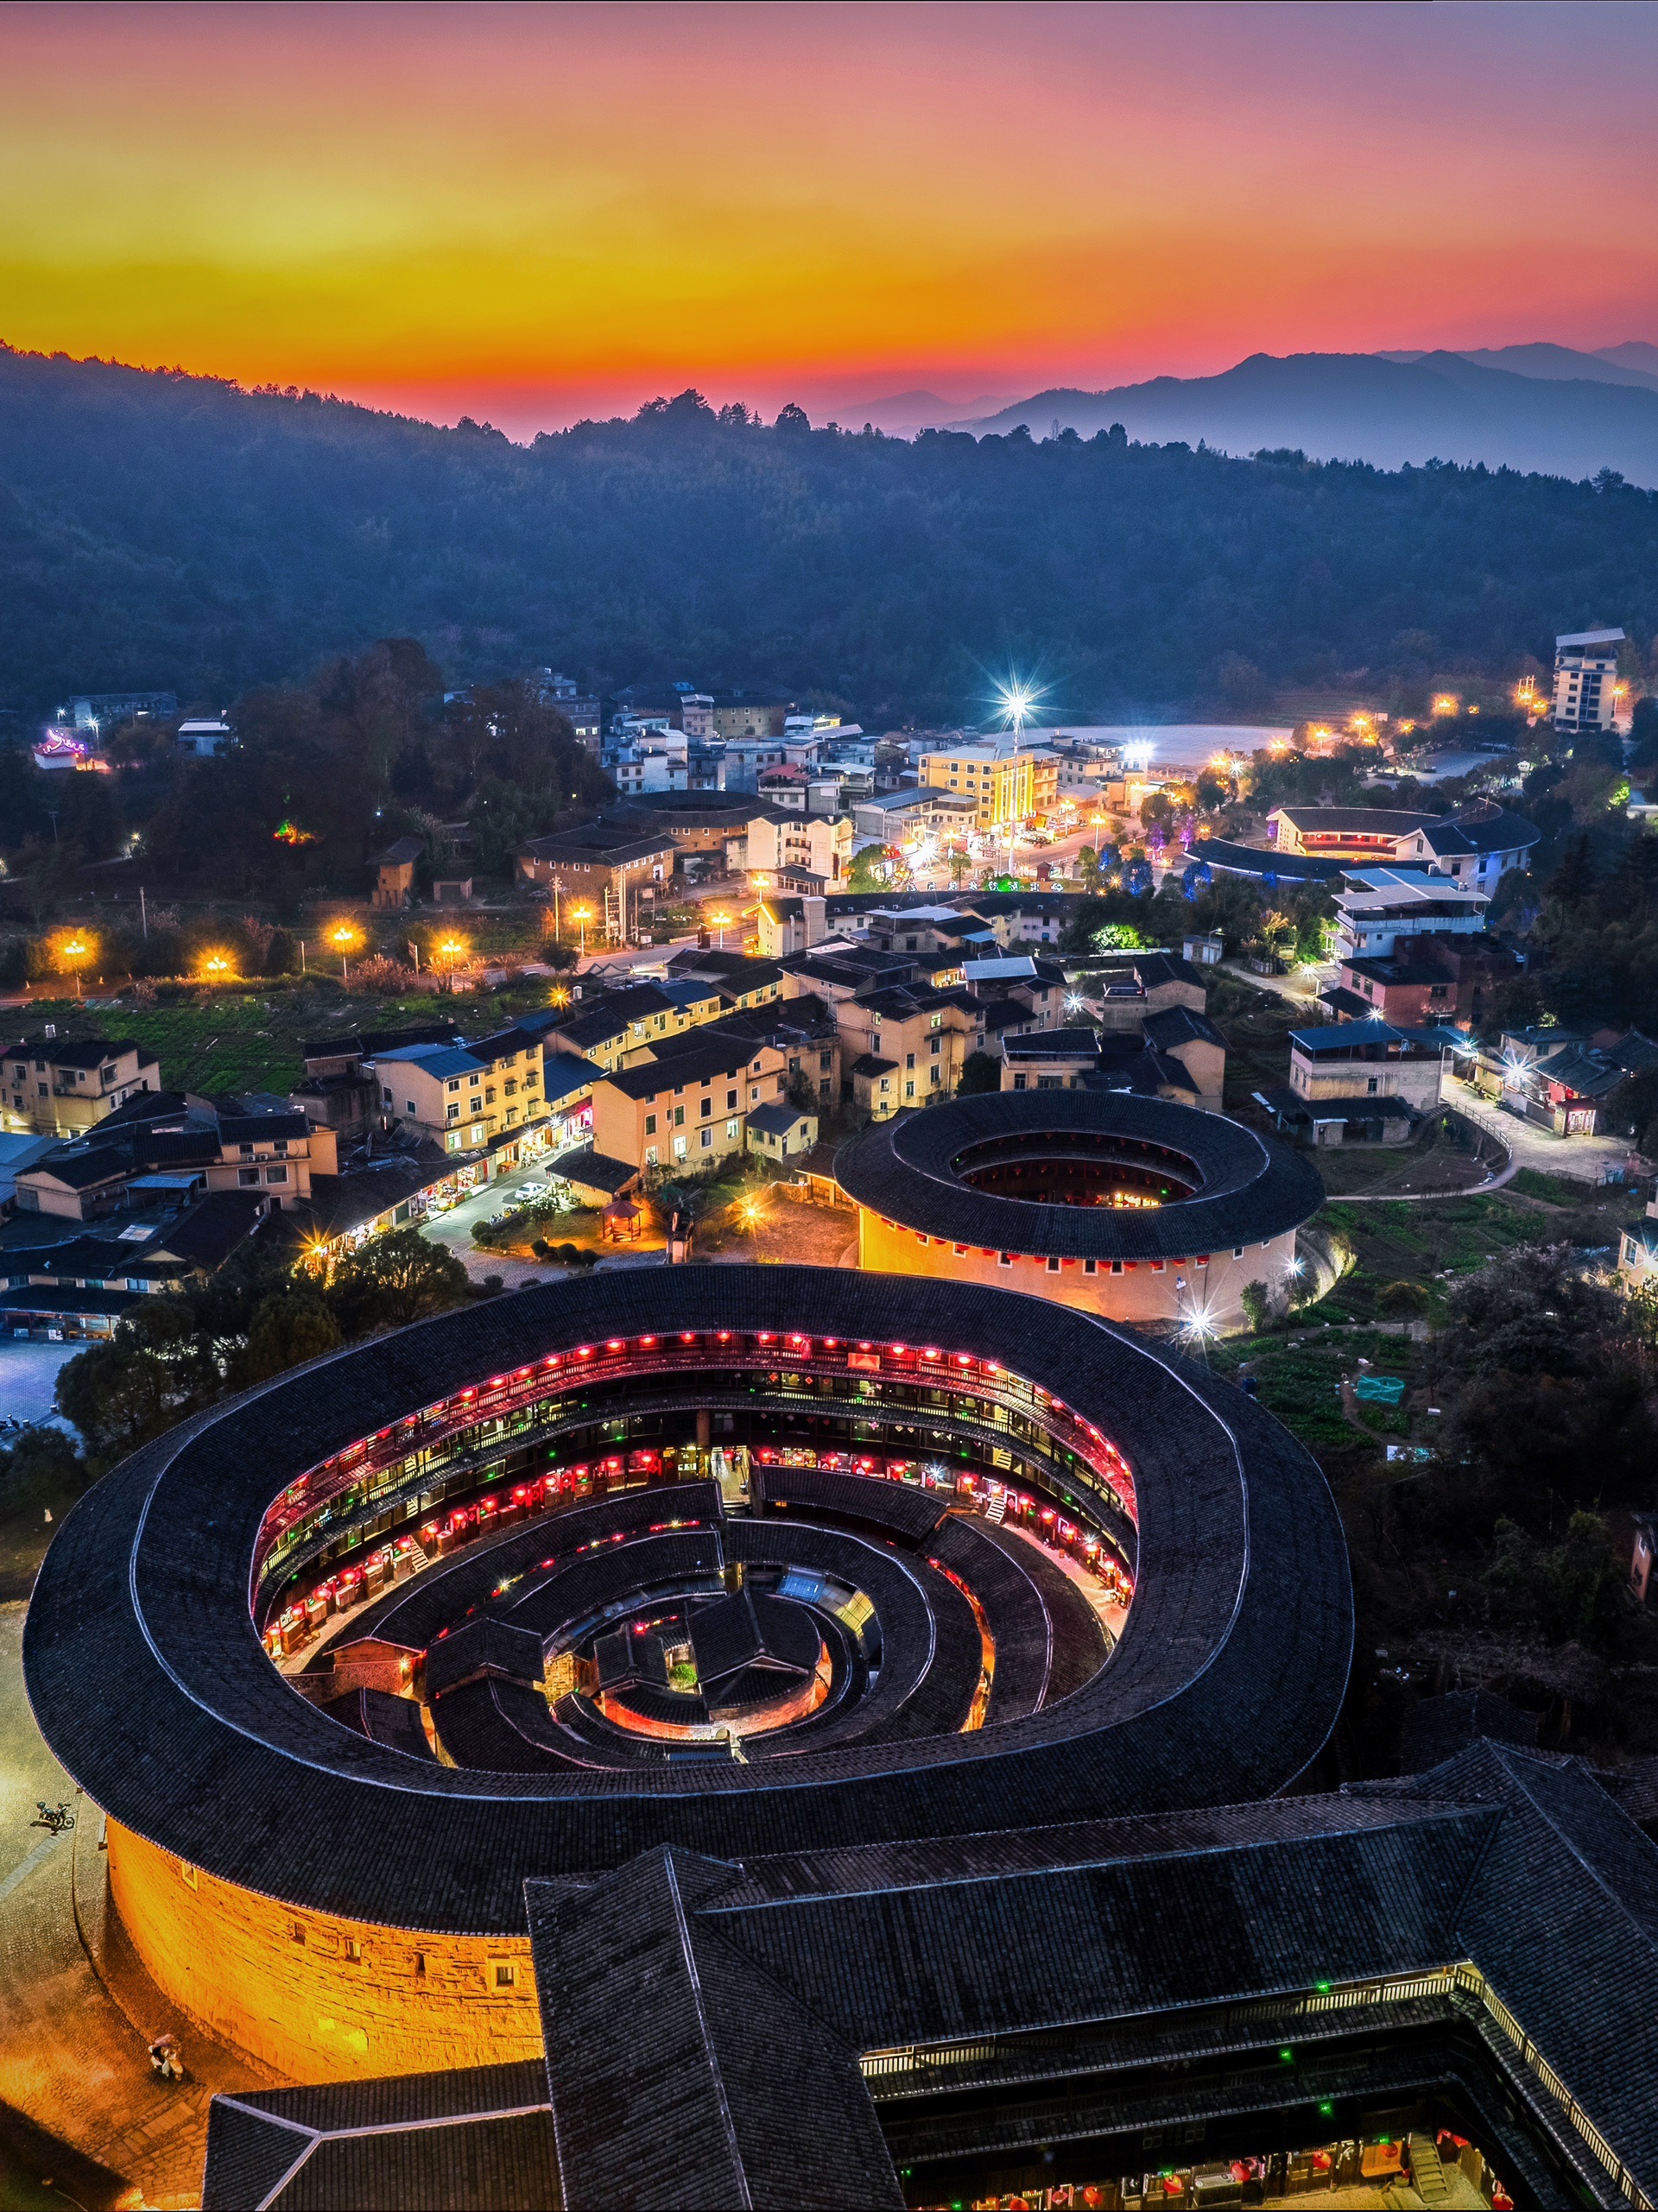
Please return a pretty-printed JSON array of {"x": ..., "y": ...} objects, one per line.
[
  {"x": 1406, "y": 1240},
  {"x": 250, "y": 1040},
  {"x": 1553, "y": 1190}
]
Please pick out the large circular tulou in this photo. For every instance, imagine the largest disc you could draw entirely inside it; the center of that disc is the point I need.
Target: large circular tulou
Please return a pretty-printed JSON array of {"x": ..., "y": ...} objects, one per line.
[
  {"x": 1139, "y": 1209},
  {"x": 750, "y": 1560}
]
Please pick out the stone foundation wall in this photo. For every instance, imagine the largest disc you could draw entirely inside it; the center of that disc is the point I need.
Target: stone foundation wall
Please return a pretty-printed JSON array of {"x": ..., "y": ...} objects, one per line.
[{"x": 315, "y": 1997}]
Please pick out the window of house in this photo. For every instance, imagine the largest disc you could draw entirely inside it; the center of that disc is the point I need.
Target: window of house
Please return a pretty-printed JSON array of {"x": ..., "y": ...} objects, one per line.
[
  {"x": 505, "y": 1976},
  {"x": 1117, "y": 1267},
  {"x": 680, "y": 1147},
  {"x": 354, "y": 1949},
  {"x": 454, "y": 1083},
  {"x": 678, "y": 1117},
  {"x": 246, "y": 1175},
  {"x": 385, "y": 1097},
  {"x": 1004, "y": 1259},
  {"x": 707, "y": 1107},
  {"x": 1370, "y": 1086},
  {"x": 275, "y": 1175},
  {"x": 651, "y": 1125},
  {"x": 730, "y": 1131},
  {"x": 1090, "y": 1267},
  {"x": 910, "y": 1089}
]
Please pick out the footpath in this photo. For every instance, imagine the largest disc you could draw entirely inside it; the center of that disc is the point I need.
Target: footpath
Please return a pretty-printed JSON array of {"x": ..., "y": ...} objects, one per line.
[{"x": 77, "y": 2009}]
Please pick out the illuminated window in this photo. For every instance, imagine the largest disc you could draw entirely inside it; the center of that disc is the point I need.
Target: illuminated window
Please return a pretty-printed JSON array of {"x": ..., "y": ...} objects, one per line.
[{"x": 505, "y": 1976}]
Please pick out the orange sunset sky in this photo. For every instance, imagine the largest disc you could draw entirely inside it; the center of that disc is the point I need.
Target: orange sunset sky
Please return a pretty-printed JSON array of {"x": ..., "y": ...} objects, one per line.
[{"x": 529, "y": 214}]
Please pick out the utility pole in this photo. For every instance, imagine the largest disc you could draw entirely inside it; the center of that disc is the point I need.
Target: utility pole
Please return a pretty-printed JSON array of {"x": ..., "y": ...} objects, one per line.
[{"x": 143, "y": 914}]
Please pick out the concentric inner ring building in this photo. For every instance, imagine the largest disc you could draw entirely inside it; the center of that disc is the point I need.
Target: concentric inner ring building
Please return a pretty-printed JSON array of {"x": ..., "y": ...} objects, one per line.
[
  {"x": 1135, "y": 1207},
  {"x": 689, "y": 1737}
]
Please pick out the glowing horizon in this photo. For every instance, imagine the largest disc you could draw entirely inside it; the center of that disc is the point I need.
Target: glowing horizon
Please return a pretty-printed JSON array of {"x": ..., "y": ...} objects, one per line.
[{"x": 528, "y": 214}]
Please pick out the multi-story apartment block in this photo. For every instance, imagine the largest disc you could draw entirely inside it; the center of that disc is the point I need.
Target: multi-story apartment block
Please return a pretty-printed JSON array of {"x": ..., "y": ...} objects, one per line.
[
  {"x": 166, "y": 1149},
  {"x": 750, "y": 714},
  {"x": 1587, "y": 694},
  {"x": 782, "y": 842},
  {"x": 464, "y": 1095},
  {"x": 904, "y": 1047},
  {"x": 687, "y": 1109},
  {"x": 1002, "y": 784},
  {"x": 63, "y": 1087}
]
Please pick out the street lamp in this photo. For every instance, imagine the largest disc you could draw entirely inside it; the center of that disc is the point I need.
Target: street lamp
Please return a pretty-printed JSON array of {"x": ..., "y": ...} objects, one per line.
[
  {"x": 581, "y": 916},
  {"x": 343, "y": 937},
  {"x": 452, "y": 950},
  {"x": 1015, "y": 699},
  {"x": 77, "y": 950},
  {"x": 722, "y": 923},
  {"x": 216, "y": 967}
]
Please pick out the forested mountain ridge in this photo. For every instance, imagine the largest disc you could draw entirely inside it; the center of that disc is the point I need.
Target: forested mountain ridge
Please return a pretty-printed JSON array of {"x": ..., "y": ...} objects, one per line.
[
  {"x": 1388, "y": 410},
  {"x": 162, "y": 530}
]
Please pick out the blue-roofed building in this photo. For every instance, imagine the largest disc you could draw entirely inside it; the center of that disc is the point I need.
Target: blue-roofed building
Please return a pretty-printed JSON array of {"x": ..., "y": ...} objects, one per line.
[{"x": 470, "y": 1097}]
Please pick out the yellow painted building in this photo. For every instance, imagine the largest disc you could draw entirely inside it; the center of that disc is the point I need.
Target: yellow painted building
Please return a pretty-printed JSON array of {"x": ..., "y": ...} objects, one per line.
[
  {"x": 1003, "y": 786},
  {"x": 64, "y": 1087}
]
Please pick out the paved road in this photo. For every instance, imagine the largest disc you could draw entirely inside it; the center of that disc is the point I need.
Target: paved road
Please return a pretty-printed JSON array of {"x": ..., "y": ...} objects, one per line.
[
  {"x": 1583, "y": 1159},
  {"x": 455, "y": 1231},
  {"x": 28, "y": 1376},
  {"x": 72, "y": 2059}
]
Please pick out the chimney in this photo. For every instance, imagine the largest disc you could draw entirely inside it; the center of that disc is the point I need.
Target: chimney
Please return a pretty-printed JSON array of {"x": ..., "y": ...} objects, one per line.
[{"x": 816, "y": 913}]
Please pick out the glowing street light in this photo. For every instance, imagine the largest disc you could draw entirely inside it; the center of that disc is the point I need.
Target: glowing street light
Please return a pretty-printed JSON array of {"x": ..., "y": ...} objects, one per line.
[
  {"x": 343, "y": 937},
  {"x": 722, "y": 923},
  {"x": 1015, "y": 700},
  {"x": 216, "y": 966},
  {"x": 76, "y": 949},
  {"x": 452, "y": 952},
  {"x": 581, "y": 916}
]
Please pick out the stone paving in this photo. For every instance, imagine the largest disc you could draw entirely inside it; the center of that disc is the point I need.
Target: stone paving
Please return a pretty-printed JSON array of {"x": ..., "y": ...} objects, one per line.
[{"x": 73, "y": 2033}]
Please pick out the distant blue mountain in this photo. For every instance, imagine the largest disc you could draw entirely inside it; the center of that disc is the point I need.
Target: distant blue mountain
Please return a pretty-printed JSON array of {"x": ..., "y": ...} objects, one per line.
[{"x": 1388, "y": 411}]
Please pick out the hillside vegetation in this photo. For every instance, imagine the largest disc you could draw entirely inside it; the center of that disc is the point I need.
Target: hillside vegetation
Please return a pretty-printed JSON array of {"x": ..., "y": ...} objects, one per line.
[{"x": 157, "y": 529}]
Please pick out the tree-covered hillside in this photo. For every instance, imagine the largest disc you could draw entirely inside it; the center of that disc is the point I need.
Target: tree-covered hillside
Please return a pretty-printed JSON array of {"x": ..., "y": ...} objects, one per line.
[{"x": 160, "y": 530}]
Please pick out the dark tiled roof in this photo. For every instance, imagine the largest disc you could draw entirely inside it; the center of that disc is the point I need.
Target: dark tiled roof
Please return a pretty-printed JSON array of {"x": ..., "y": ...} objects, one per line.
[
  {"x": 1054, "y": 1044},
  {"x": 594, "y": 1171},
  {"x": 138, "y": 1633},
  {"x": 1563, "y": 1920},
  {"x": 450, "y": 2142},
  {"x": 145, "y": 1108},
  {"x": 864, "y": 1500},
  {"x": 1251, "y": 1190},
  {"x": 485, "y": 1646},
  {"x": 1235, "y": 859},
  {"x": 692, "y": 2113},
  {"x": 208, "y": 1232},
  {"x": 1439, "y": 1728},
  {"x": 778, "y": 1118},
  {"x": 79, "y": 1051},
  {"x": 84, "y": 1168},
  {"x": 1179, "y": 1025},
  {"x": 696, "y": 1062}
]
